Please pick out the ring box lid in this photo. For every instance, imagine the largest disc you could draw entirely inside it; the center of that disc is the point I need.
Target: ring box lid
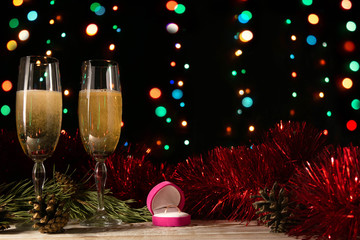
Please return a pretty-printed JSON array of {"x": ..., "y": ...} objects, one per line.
[{"x": 163, "y": 195}]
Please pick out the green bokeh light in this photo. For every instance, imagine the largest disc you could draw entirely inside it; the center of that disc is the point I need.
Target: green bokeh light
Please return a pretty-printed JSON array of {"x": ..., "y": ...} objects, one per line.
[
  {"x": 168, "y": 120},
  {"x": 355, "y": 104},
  {"x": 326, "y": 79},
  {"x": 234, "y": 73},
  {"x": 160, "y": 111},
  {"x": 52, "y": 2},
  {"x": 354, "y": 66},
  {"x": 288, "y": 21},
  {"x": 115, "y": 27},
  {"x": 294, "y": 94},
  {"x": 307, "y": 2},
  {"x": 351, "y": 26},
  {"x": 95, "y": 6},
  {"x": 65, "y": 111},
  {"x": 328, "y": 113},
  {"x": 166, "y": 147},
  {"x": 14, "y": 23},
  {"x": 5, "y": 110},
  {"x": 180, "y": 9},
  {"x": 48, "y": 41}
]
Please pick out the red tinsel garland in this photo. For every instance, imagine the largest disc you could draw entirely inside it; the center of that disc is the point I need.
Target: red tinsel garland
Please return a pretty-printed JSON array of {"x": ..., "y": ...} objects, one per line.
[{"x": 329, "y": 196}]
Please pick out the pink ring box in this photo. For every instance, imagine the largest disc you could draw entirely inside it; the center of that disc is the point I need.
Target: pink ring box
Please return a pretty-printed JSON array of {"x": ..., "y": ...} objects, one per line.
[{"x": 165, "y": 202}]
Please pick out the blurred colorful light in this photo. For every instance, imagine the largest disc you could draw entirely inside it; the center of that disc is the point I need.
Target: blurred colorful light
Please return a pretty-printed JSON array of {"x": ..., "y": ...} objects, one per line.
[
  {"x": 311, "y": 40},
  {"x": 247, "y": 102},
  {"x": 328, "y": 113},
  {"x": 307, "y": 2},
  {"x": 11, "y": 45},
  {"x": 186, "y": 142},
  {"x": 351, "y": 26},
  {"x": 14, "y": 23},
  {"x": 351, "y": 125},
  {"x": 246, "y": 36},
  {"x": 354, "y": 66},
  {"x": 171, "y": 5},
  {"x": 95, "y": 6},
  {"x": 32, "y": 15},
  {"x": 155, "y": 93},
  {"x": 6, "y": 86},
  {"x": 172, "y": 28},
  {"x": 48, "y": 52},
  {"x": 5, "y": 110},
  {"x": 91, "y": 29},
  {"x": 347, "y": 83},
  {"x": 24, "y": 35},
  {"x": 160, "y": 111},
  {"x": 184, "y": 123},
  {"x": 245, "y": 16},
  {"x": 17, "y": 3},
  {"x": 180, "y": 9},
  {"x": 349, "y": 46},
  {"x": 251, "y": 128},
  {"x": 313, "y": 18},
  {"x": 112, "y": 47},
  {"x": 355, "y": 104},
  {"x": 238, "y": 52},
  {"x": 346, "y": 4},
  {"x": 177, "y": 94},
  {"x": 100, "y": 11}
]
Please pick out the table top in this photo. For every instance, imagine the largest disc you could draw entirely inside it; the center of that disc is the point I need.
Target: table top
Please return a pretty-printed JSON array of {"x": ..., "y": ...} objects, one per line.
[{"x": 197, "y": 230}]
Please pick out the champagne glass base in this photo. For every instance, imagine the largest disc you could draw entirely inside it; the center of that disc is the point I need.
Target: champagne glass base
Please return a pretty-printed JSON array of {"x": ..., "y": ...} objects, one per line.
[{"x": 101, "y": 219}]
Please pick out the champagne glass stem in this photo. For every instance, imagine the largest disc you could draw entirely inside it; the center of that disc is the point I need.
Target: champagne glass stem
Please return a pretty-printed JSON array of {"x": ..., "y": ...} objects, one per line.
[
  {"x": 100, "y": 180},
  {"x": 38, "y": 177}
]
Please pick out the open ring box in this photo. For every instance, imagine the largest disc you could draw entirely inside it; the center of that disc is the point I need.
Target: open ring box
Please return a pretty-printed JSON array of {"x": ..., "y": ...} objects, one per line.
[{"x": 165, "y": 202}]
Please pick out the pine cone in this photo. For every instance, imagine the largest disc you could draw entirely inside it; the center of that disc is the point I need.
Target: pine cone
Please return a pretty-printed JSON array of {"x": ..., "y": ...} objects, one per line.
[
  {"x": 274, "y": 209},
  {"x": 49, "y": 217},
  {"x": 5, "y": 218},
  {"x": 68, "y": 186}
]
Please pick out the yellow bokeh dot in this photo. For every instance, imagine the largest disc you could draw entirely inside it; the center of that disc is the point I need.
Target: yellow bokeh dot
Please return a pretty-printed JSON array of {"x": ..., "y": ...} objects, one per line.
[
  {"x": 91, "y": 29},
  {"x": 246, "y": 36},
  {"x": 347, "y": 83},
  {"x": 238, "y": 52},
  {"x": 17, "y": 2},
  {"x": 321, "y": 94},
  {"x": 51, "y": 21},
  {"x": 241, "y": 92},
  {"x": 11, "y": 45},
  {"x": 184, "y": 123},
  {"x": 66, "y": 92},
  {"x": 24, "y": 35},
  {"x": 180, "y": 83},
  {"x": 293, "y": 37},
  {"x": 48, "y": 52},
  {"x": 313, "y": 18},
  {"x": 112, "y": 47},
  {"x": 251, "y": 128}
]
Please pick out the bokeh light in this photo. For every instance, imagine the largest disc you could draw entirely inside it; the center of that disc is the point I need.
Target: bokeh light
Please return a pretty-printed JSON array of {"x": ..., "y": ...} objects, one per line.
[
  {"x": 11, "y": 45},
  {"x": 17, "y": 3},
  {"x": 238, "y": 52},
  {"x": 160, "y": 111},
  {"x": 177, "y": 45},
  {"x": 51, "y": 22},
  {"x": 24, "y": 35},
  {"x": 294, "y": 94},
  {"x": 6, "y": 86},
  {"x": 63, "y": 34},
  {"x": 245, "y": 16},
  {"x": 313, "y": 18},
  {"x": 294, "y": 74},
  {"x": 65, "y": 110},
  {"x": 293, "y": 37},
  {"x": 100, "y": 11},
  {"x": 186, "y": 142},
  {"x": 351, "y": 125},
  {"x": 177, "y": 94},
  {"x": 186, "y": 66},
  {"x": 355, "y": 104},
  {"x": 288, "y": 21},
  {"x": 349, "y": 46},
  {"x": 112, "y": 47},
  {"x": 180, "y": 9},
  {"x": 95, "y": 6},
  {"x": 247, "y": 102},
  {"x": 251, "y": 128},
  {"x": 14, "y": 23},
  {"x": 321, "y": 95},
  {"x": 166, "y": 147},
  {"x": 182, "y": 104},
  {"x": 171, "y": 5},
  {"x": 115, "y": 8},
  {"x": 155, "y": 93},
  {"x": 328, "y": 113},
  {"x": 326, "y": 79},
  {"x": 5, "y": 110},
  {"x": 48, "y": 52},
  {"x": 184, "y": 123},
  {"x": 91, "y": 29},
  {"x": 66, "y": 92},
  {"x": 246, "y": 36},
  {"x": 32, "y": 15},
  {"x": 168, "y": 120},
  {"x": 354, "y": 66},
  {"x": 347, "y": 83},
  {"x": 346, "y": 4},
  {"x": 311, "y": 40},
  {"x": 180, "y": 83},
  {"x": 172, "y": 28},
  {"x": 351, "y": 26},
  {"x": 173, "y": 63},
  {"x": 307, "y": 2}
]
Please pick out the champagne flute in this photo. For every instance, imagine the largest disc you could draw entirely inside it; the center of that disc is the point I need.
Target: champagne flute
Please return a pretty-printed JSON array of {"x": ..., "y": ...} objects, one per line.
[
  {"x": 38, "y": 112},
  {"x": 100, "y": 116}
]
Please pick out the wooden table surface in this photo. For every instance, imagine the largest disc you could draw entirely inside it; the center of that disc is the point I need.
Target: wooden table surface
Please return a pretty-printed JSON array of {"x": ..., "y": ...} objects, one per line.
[{"x": 197, "y": 230}]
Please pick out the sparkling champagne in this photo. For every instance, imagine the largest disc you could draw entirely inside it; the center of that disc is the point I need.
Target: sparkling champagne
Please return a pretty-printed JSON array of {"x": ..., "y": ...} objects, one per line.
[
  {"x": 100, "y": 115},
  {"x": 38, "y": 121}
]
